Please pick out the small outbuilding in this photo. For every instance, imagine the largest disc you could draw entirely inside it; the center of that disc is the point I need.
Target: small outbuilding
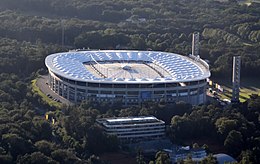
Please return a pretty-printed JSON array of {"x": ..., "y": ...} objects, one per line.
[{"x": 224, "y": 158}]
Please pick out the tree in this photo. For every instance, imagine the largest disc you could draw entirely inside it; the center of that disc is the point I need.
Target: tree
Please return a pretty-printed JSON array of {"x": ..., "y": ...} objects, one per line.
[
  {"x": 195, "y": 146},
  {"x": 99, "y": 142},
  {"x": 138, "y": 42},
  {"x": 6, "y": 159},
  {"x": 64, "y": 156},
  {"x": 162, "y": 157},
  {"x": 43, "y": 128},
  {"x": 188, "y": 160},
  {"x": 94, "y": 160},
  {"x": 16, "y": 145},
  {"x": 246, "y": 157},
  {"x": 36, "y": 158},
  {"x": 225, "y": 125},
  {"x": 45, "y": 147},
  {"x": 140, "y": 158},
  {"x": 210, "y": 159},
  {"x": 206, "y": 148},
  {"x": 234, "y": 142}
]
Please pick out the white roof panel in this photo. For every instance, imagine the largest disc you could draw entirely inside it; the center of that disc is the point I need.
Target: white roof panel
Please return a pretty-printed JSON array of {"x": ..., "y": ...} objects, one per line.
[{"x": 71, "y": 65}]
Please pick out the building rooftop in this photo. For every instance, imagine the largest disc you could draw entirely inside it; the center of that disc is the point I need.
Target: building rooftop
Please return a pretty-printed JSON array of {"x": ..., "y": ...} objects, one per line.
[
  {"x": 224, "y": 158},
  {"x": 72, "y": 65},
  {"x": 129, "y": 120},
  {"x": 183, "y": 150}
]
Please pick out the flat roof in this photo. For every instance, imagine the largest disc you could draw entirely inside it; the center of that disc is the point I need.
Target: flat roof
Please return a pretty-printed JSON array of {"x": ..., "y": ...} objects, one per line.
[
  {"x": 129, "y": 120},
  {"x": 180, "y": 68}
]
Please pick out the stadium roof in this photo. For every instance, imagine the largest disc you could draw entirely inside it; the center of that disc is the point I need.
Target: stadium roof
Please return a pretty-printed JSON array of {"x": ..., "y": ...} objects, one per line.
[{"x": 180, "y": 68}]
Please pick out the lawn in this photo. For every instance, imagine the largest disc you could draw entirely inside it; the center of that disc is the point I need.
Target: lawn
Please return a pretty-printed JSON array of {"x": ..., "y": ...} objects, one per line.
[{"x": 248, "y": 87}]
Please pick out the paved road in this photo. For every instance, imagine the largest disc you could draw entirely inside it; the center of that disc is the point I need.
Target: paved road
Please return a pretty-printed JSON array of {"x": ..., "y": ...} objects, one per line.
[{"x": 41, "y": 83}]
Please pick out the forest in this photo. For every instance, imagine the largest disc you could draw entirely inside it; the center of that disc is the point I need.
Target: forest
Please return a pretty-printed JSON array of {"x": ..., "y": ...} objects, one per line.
[{"x": 32, "y": 29}]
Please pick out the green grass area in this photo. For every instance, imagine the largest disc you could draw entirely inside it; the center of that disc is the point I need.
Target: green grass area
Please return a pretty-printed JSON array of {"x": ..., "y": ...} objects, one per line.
[
  {"x": 44, "y": 98},
  {"x": 248, "y": 87}
]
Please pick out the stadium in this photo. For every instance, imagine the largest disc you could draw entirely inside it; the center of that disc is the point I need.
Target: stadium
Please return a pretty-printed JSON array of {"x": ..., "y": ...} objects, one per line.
[{"x": 128, "y": 77}]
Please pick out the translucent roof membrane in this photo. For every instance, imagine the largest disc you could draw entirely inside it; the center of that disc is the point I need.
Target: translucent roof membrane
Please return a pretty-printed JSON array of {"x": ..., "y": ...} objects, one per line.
[{"x": 71, "y": 65}]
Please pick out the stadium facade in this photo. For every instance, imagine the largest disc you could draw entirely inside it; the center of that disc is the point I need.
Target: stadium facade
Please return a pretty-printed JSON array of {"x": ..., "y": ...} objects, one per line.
[{"x": 129, "y": 77}]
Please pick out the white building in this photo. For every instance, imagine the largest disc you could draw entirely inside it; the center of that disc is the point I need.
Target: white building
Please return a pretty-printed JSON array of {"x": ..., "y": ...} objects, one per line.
[
  {"x": 133, "y": 129},
  {"x": 181, "y": 153},
  {"x": 224, "y": 158}
]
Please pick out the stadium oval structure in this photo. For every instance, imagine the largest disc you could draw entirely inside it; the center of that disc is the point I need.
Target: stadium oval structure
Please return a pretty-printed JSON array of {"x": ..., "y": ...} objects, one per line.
[{"x": 127, "y": 76}]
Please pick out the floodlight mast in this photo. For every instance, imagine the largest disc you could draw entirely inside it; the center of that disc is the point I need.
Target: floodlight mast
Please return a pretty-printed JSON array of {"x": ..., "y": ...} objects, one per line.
[
  {"x": 62, "y": 34},
  {"x": 236, "y": 78},
  {"x": 195, "y": 43}
]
